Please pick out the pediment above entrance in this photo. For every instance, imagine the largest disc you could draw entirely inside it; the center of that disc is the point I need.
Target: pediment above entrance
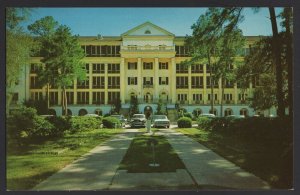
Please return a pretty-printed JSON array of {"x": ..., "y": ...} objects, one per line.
[{"x": 147, "y": 29}]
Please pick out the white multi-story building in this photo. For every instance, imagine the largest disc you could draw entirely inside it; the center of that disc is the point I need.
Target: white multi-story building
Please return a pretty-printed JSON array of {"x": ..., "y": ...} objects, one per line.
[{"x": 143, "y": 62}]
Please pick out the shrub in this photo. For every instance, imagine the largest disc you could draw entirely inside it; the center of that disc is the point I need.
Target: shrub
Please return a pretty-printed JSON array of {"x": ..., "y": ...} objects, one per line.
[
  {"x": 111, "y": 122},
  {"x": 60, "y": 123},
  {"x": 20, "y": 122},
  {"x": 184, "y": 122},
  {"x": 189, "y": 115},
  {"x": 82, "y": 123},
  {"x": 41, "y": 128},
  {"x": 204, "y": 123}
]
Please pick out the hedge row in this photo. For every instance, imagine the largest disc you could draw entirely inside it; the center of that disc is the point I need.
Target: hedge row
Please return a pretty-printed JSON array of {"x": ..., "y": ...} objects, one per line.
[
  {"x": 184, "y": 122},
  {"x": 25, "y": 123},
  {"x": 249, "y": 128}
]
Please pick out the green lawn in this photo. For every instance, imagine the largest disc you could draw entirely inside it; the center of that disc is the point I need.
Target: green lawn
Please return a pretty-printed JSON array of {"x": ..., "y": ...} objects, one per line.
[
  {"x": 139, "y": 155},
  {"x": 262, "y": 158},
  {"x": 28, "y": 166}
]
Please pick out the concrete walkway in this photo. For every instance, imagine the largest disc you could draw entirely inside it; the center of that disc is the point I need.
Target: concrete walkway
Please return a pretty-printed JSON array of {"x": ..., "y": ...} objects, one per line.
[
  {"x": 93, "y": 171},
  {"x": 208, "y": 169}
]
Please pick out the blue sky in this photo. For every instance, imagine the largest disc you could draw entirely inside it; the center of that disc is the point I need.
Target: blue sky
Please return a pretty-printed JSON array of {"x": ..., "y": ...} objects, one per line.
[{"x": 115, "y": 21}]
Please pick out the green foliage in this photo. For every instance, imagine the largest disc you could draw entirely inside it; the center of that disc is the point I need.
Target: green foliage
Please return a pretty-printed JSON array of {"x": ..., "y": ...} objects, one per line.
[
  {"x": 20, "y": 122},
  {"x": 60, "y": 123},
  {"x": 184, "y": 122},
  {"x": 134, "y": 108},
  {"x": 117, "y": 106},
  {"x": 39, "y": 105},
  {"x": 41, "y": 128},
  {"x": 159, "y": 109},
  {"x": 83, "y": 123},
  {"x": 204, "y": 123},
  {"x": 111, "y": 122}
]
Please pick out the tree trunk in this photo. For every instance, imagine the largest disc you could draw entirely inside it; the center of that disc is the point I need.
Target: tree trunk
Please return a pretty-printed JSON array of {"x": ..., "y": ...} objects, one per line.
[
  {"x": 66, "y": 102},
  {"x": 222, "y": 97},
  {"x": 48, "y": 99},
  {"x": 211, "y": 85},
  {"x": 277, "y": 60},
  {"x": 289, "y": 56}
]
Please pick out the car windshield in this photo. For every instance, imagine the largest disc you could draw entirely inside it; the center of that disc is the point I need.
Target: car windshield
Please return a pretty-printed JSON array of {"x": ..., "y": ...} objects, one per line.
[
  {"x": 159, "y": 117},
  {"x": 138, "y": 116}
]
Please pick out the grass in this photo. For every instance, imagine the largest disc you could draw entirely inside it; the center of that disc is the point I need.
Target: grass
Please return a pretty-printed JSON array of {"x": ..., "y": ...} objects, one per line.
[
  {"x": 261, "y": 158},
  {"x": 139, "y": 155},
  {"x": 29, "y": 165}
]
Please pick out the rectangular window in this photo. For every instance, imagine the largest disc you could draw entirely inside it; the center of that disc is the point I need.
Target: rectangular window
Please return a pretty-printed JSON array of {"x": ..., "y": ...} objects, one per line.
[
  {"x": 242, "y": 96},
  {"x": 98, "y": 68},
  {"x": 180, "y": 68},
  {"x": 227, "y": 96},
  {"x": 182, "y": 98},
  {"x": 98, "y": 98},
  {"x": 164, "y": 80},
  {"x": 36, "y": 96},
  {"x": 132, "y": 65},
  {"x": 113, "y": 68},
  {"x": 98, "y": 83},
  {"x": 215, "y": 83},
  {"x": 83, "y": 84},
  {"x": 70, "y": 97},
  {"x": 53, "y": 98},
  {"x": 113, "y": 82},
  {"x": 34, "y": 83},
  {"x": 197, "y": 97},
  {"x": 163, "y": 65},
  {"x": 197, "y": 68},
  {"x": 197, "y": 82},
  {"x": 148, "y": 65},
  {"x": 82, "y": 97},
  {"x": 132, "y": 80},
  {"x": 148, "y": 80},
  {"x": 87, "y": 68},
  {"x": 103, "y": 50},
  {"x": 88, "y": 50},
  {"x": 209, "y": 95},
  {"x": 182, "y": 83},
  {"x": 182, "y": 51},
  {"x": 34, "y": 67},
  {"x": 229, "y": 84},
  {"x": 113, "y": 96}
]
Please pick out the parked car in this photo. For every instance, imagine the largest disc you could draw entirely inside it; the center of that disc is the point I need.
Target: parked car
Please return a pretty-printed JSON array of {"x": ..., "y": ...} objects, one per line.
[
  {"x": 121, "y": 118},
  {"x": 138, "y": 120},
  {"x": 235, "y": 116},
  {"x": 160, "y": 121},
  {"x": 207, "y": 115},
  {"x": 92, "y": 115}
]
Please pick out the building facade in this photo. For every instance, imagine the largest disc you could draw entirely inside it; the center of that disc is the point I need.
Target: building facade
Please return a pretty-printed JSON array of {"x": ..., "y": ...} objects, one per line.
[{"x": 143, "y": 62}]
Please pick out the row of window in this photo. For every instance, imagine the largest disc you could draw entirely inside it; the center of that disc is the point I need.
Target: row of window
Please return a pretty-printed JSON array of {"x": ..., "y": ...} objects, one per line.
[
  {"x": 101, "y": 50},
  {"x": 82, "y": 97},
  {"x": 199, "y": 97},
  {"x": 114, "y": 82}
]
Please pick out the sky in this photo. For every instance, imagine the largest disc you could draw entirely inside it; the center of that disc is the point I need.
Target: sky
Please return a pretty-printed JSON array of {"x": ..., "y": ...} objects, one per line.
[{"x": 115, "y": 21}]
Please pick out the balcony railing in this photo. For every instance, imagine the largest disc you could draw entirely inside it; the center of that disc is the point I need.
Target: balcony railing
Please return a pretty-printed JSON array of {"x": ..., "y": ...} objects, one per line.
[
  {"x": 148, "y": 48},
  {"x": 151, "y": 101},
  {"x": 148, "y": 86},
  {"x": 198, "y": 102}
]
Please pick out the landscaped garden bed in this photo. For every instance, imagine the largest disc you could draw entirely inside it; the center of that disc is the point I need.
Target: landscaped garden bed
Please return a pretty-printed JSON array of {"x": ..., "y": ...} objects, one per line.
[
  {"x": 139, "y": 156},
  {"x": 258, "y": 146}
]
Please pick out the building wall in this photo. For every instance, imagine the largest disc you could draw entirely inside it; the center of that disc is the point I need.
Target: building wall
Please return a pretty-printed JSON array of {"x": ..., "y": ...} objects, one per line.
[{"x": 157, "y": 48}]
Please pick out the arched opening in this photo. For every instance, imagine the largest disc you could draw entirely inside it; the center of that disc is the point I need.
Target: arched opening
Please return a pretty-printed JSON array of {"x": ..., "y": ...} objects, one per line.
[
  {"x": 213, "y": 112},
  {"x": 244, "y": 112},
  {"x": 148, "y": 111},
  {"x": 163, "y": 96},
  {"x": 82, "y": 112},
  {"x": 98, "y": 112},
  {"x": 69, "y": 112},
  {"x": 197, "y": 112},
  {"x": 52, "y": 112},
  {"x": 148, "y": 97},
  {"x": 228, "y": 111}
]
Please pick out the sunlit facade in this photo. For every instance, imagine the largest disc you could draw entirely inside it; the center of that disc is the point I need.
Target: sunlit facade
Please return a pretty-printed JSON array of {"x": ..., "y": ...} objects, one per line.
[{"x": 143, "y": 62}]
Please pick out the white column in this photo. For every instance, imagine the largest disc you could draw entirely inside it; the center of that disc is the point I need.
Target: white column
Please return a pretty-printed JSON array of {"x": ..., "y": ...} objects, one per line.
[
  {"x": 172, "y": 78},
  {"x": 156, "y": 84},
  {"x": 140, "y": 84},
  {"x": 106, "y": 84},
  {"x": 122, "y": 80}
]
